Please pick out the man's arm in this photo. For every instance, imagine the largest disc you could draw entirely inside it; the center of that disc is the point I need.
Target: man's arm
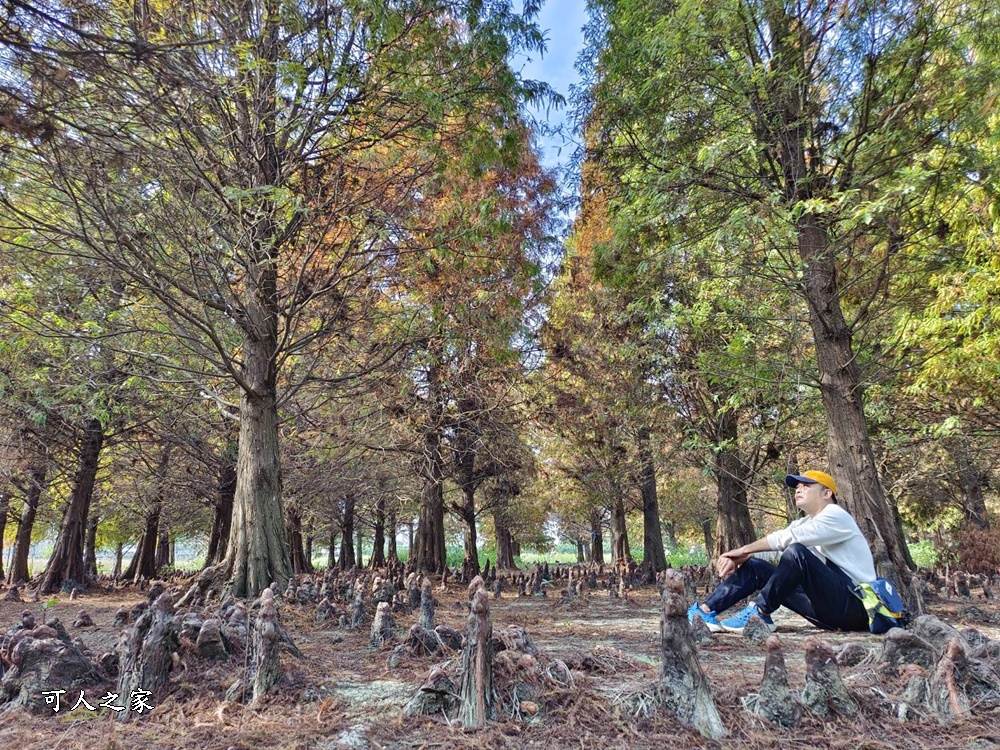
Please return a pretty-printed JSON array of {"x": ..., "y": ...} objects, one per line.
[{"x": 729, "y": 561}]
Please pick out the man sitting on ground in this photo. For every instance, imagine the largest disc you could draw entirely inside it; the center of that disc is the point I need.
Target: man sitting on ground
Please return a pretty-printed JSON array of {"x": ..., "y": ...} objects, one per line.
[{"x": 823, "y": 557}]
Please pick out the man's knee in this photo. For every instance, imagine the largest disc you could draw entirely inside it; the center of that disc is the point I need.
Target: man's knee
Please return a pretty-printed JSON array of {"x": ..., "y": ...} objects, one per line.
[{"x": 796, "y": 552}]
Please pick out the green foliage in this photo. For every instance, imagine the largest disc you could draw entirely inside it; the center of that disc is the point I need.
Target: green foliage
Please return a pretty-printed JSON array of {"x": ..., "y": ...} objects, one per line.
[
  {"x": 693, "y": 555},
  {"x": 924, "y": 554}
]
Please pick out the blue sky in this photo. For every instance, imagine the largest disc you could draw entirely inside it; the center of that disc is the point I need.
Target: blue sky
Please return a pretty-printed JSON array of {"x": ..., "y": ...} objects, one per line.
[{"x": 562, "y": 22}]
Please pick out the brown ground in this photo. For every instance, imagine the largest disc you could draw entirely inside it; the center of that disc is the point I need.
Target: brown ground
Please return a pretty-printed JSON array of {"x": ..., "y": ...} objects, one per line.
[{"x": 342, "y": 694}]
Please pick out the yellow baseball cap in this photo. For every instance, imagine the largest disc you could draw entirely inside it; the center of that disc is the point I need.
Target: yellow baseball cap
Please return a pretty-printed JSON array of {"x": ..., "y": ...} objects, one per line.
[{"x": 812, "y": 477}]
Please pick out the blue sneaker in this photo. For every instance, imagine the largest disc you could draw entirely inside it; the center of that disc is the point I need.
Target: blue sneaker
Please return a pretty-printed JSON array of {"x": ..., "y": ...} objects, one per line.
[
  {"x": 707, "y": 617},
  {"x": 737, "y": 622}
]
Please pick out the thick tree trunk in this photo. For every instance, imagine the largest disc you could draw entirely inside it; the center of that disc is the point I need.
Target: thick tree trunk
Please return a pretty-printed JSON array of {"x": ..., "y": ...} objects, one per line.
[
  {"x": 501, "y": 526},
  {"x": 358, "y": 546},
  {"x": 652, "y": 537},
  {"x": 257, "y": 554},
  {"x": 347, "y": 558},
  {"x": 19, "y": 571},
  {"x": 163, "y": 548},
  {"x": 619, "y": 533},
  {"x": 430, "y": 544},
  {"x": 852, "y": 460},
  {"x": 119, "y": 553},
  {"x": 734, "y": 527},
  {"x": 222, "y": 518},
  {"x": 378, "y": 541},
  {"x": 66, "y": 562}
]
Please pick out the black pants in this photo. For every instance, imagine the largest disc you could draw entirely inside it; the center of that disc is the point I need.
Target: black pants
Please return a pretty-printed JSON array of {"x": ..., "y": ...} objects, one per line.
[{"x": 819, "y": 591}]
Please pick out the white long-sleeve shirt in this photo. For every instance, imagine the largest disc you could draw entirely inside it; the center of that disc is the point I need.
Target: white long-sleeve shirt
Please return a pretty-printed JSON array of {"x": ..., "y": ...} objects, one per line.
[{"x": 832, "y": 534}]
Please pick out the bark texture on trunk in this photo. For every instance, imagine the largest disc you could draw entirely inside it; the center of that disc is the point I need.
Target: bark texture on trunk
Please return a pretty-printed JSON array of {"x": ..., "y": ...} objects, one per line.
[
  {"x": 90, "y": 543},
  {"x": 430, "y": 555},
  {"x": 652, "y": 535},
  {"x": 19, "y": 572},
  {"x": 378, "y": 541},
  {"x": 734, "y": 527},
  {"x": 222, "y": 518},
  {"x": 296, "y": 548},
  {"x": 501, "y": 527},
  {"x": 4, "y": 511},
  {"x": 972, "y": 479},
  {"x": 596, "y": 538},
  {"x": 619, "y": 533},
  {"x": 66, "y": 562},
  {"x": 347, "y": 558},
  {"x": 257, "y": 554}
]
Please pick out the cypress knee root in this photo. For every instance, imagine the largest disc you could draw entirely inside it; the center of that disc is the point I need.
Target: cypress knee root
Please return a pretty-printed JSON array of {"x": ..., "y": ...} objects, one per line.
[
  {"x": 476, "y": 691},
  {"x": 825, "y": 692},
  {"x": 683, "y": 687},
  {"x": 775, "y": 701}
]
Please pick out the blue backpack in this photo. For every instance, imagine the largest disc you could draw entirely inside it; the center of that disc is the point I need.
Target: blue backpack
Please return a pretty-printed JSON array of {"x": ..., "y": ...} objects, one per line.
[{"x": 885, "y": 607}]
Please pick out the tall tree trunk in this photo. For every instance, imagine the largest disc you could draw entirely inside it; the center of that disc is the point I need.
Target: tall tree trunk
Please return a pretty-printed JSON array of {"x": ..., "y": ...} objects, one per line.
[
  {"x": 735, "y": 527},
  {"x": 90, "y": 544},
  {"x": 222, "y": 517},
  {"x": 671, "y": 531},
  {"x": 791, "y": 117},
  {"x": 581, "y": 551},
  {"x": 19, "y": 571},
  {"x": 501, "y": 526},
  {"x": 971, "y": 479},
  {"x": 295, "y": 548},
  {"x": 652, "y": 536},
  {"x": 119, "y": 554},
  {"x": 392, "y": 525},
  {"x": 706, "y": 532},
  {"x": 468, "y": 509},
  {"x": 347, "y": 559},
  {"x": 378, "y": 542},
  {"x": 430, "y": 544},
  {"x": 852, "y": 460},
  {"x": 257, "y": 554},
  {"x": 596, "y": 538},
  {"x": 358, "y": 544},
  {"x": 331, "y": 556},
  {"x": 143, "y": 563},
  {"x": 66, "y": 561},
  {"x": 619, "y": 532},
  {"x": 4, "y": 511},
  {"x": 163, "y": 553}
]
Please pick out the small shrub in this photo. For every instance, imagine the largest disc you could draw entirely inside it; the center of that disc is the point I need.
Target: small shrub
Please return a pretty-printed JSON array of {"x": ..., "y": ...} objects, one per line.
[{"x": 924, "y": 553}]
